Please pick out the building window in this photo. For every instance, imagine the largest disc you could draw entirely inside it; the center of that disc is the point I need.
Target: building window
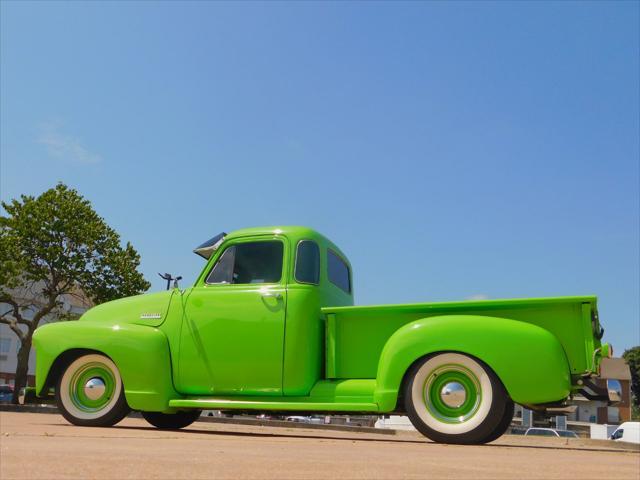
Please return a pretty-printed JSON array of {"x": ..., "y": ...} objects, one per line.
[{"x": 5, "y": 345}]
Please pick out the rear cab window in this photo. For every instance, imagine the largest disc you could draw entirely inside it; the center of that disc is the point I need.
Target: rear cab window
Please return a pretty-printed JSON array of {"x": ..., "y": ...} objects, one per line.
[
  {"x": 307, "y": 268},
  {"x": 338, "y": 271}
]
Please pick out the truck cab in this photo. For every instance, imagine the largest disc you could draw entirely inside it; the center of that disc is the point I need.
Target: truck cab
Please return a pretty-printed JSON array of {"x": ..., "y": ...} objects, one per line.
[{"x": 252, "y": 321}]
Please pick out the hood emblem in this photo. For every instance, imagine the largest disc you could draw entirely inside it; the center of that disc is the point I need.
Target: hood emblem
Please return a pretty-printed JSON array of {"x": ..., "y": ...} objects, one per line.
[{"x": 150, "y": 315}]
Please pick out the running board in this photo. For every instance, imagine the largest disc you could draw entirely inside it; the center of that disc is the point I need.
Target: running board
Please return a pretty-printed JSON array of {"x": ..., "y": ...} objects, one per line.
[{"x": 304, "y": 404}]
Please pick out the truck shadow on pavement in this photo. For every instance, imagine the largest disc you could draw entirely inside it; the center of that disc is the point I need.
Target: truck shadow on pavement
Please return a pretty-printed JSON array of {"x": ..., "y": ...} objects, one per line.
[{"x": 197, "y": 431}]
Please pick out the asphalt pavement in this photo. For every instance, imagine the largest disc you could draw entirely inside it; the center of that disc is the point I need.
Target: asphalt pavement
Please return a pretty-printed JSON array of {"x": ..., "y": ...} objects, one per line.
[{"x": 45, "y": 446}]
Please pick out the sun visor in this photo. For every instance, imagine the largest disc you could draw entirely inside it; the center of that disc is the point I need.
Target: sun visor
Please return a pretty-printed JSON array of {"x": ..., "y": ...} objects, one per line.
[{"x": 207, "y": 248}]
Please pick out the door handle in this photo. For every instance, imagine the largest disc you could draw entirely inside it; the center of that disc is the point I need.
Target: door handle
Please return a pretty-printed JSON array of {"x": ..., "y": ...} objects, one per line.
[{"x": 277, "y": 296}]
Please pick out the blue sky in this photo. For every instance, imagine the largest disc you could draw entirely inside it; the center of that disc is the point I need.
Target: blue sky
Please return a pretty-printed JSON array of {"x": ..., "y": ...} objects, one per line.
[{"x": 452, "y": 150}]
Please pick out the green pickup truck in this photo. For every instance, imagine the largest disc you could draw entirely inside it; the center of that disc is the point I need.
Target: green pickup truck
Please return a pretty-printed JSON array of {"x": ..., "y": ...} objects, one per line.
[{"x": 270, "y": 325}]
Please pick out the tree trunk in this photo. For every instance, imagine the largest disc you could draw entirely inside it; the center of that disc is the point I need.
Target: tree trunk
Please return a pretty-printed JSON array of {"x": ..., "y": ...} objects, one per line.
[{"x": 22, "y": 369}]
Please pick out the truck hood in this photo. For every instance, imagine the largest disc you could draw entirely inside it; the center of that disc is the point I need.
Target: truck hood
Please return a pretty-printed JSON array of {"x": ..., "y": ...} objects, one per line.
[{"x": 148, "y": 309}]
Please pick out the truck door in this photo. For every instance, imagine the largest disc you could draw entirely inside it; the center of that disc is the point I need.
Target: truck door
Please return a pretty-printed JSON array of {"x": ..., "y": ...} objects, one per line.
[{"x": 232, "y": 337}]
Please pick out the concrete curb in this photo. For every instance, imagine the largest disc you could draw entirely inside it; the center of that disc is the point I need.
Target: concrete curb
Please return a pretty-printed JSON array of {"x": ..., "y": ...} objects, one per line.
[
  {"x": 237, "y": 421},
  {"x": 41, "y": 408},
  {"x": 626, "y": 446}
]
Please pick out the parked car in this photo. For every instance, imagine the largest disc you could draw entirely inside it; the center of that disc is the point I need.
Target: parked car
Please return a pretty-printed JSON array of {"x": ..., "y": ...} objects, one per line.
[
  {"x": 270, "y": 326},
  {"x": 6, "y": 393},
  {"x": 550, "y": 432},
  {"x": 297, "y": 419},
  {"x": 627, "y": 432}
]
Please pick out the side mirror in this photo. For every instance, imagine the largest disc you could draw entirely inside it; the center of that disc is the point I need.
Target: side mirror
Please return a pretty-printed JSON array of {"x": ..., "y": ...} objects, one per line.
[{"x": 169, "y": 279}]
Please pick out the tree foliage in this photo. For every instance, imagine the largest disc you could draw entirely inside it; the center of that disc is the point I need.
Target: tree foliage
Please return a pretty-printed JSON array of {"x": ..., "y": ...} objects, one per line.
[
  {"x": 55, "y": 245},
  {"x": 632, "y": 357}
]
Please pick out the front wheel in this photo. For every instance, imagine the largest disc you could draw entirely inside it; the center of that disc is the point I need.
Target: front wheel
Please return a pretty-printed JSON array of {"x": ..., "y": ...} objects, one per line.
[
  {"x": 90, "y": 392},
  {"x": 172, "y": 421},
  {"x": 454, "y": 398}
]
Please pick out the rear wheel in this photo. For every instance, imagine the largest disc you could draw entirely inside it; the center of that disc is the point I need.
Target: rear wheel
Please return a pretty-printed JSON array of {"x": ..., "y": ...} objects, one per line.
[
  {"x": 172, "y": 421},
  {"x": 454, "y": 398},
  {"x": 90, "y": 392},
  {"x": 504, "y": 424}
]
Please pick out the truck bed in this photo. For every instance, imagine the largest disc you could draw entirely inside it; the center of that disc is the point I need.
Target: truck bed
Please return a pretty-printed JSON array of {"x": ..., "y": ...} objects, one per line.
[{"x": 356, "y": 335}]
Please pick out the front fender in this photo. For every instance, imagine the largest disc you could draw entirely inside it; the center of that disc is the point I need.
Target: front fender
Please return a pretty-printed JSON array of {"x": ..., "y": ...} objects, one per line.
[
  {"x": 141, "y": 353},
  {"x": 528, "y": 359}
]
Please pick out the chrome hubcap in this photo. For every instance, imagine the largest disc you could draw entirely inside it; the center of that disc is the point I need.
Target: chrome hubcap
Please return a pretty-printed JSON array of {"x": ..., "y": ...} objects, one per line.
[
  {"x": 94, "y": 388},
  {"x": 453, "y": 394}
]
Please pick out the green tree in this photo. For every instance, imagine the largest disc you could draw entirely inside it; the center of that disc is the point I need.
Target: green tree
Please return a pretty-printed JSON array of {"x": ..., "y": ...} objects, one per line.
[
  {"x": 56, "y": 245},
  {"x": 632, "y": 357}
]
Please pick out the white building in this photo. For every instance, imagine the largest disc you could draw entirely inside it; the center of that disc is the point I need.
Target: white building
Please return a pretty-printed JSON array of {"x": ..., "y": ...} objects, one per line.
[{"x": 72, "y": 305}]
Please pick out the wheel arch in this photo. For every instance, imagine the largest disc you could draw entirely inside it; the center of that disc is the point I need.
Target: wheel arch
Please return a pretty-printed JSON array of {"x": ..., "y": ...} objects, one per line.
[
  {"x": 406, "y": 377},
  {"x": 528, "y": 360},
  {"x": 60, "y": 363},
  {"x": 141, "y": 354}
]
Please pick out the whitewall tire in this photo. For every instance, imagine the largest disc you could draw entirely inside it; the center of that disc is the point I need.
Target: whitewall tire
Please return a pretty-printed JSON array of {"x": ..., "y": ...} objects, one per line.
[
  {"x": 454, "y": 398},
  {"x": 90, "y": 392}
]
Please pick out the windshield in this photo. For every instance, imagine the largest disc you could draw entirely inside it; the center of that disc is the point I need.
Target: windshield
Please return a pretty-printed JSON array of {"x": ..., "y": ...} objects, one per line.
[{"x": 567, "y": 433}]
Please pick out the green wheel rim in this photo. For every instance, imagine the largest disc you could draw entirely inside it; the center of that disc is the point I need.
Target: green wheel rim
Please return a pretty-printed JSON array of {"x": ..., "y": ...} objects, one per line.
[
  {"x": 79, "y": 380},
  {"x": 435, "y": 382}
]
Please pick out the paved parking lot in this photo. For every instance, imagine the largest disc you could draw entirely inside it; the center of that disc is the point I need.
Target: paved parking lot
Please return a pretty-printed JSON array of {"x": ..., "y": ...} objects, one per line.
[{"x": 45, "y": 446}]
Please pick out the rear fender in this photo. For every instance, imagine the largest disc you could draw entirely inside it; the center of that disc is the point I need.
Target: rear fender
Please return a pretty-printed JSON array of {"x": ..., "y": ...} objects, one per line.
[
  {"x": 141, "y": 354},
  {"x": 528, "y": 359}
]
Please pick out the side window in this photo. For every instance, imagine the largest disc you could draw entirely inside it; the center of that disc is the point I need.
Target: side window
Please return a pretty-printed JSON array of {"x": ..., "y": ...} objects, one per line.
[
  {"x": 338, "y": 271},
  {"x": 254, "y": 262},
  {"x": 308, "y": 262}
]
